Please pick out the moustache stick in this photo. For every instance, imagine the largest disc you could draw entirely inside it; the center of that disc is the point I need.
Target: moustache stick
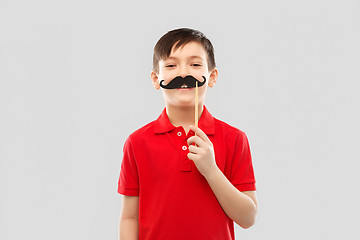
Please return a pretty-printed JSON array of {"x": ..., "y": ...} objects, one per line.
[{"x": 196, "y": 106}]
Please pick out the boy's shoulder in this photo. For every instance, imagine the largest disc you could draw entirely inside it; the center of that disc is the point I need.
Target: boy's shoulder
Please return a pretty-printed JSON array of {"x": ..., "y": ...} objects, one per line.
[
  {"x": 143, "y": 131},
  {"x": 227, "y": 130}
]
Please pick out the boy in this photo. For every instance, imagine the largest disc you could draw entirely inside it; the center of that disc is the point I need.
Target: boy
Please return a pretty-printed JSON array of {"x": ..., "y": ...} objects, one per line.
[{"x": 180, "y": 181}]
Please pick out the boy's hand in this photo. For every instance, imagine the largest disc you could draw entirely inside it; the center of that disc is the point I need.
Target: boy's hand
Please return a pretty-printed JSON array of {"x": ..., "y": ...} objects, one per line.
[{"x": 203, "y": 153}]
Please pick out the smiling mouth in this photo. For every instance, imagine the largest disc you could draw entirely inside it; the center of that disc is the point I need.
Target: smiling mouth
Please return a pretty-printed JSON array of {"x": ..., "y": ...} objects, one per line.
[{"x": 184, "y": 87}]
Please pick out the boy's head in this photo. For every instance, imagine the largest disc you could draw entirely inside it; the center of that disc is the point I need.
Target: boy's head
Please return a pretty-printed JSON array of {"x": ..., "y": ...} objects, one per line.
[
  {"x": 177, "y": 38},
  {"x": 183, "y": 52}
]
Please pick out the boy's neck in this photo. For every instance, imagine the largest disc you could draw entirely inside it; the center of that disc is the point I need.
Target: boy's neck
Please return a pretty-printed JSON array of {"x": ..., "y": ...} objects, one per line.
[{"x": 183, "y": 116}]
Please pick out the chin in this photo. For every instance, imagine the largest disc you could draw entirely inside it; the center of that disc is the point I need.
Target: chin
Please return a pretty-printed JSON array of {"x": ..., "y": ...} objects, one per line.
[
  {"x": 183, "y": 104},
  {"x": 181, "y": 101},
  {"x": 187, "y": 104}
]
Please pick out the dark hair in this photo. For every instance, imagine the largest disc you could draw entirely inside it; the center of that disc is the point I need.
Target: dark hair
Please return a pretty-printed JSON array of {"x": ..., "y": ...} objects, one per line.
[{"x": 181, "y": 37}]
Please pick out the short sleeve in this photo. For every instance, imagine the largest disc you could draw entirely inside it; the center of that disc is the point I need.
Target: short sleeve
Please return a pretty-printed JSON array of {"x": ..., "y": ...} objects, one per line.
[
  {"x": 129, "y": 179},
  {"x": 242, "y": 172}
]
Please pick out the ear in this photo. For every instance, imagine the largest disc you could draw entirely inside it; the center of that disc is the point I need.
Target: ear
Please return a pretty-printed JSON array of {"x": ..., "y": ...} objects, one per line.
[
  {"x": 155, "y": 80},
  {"x": 213, "y": 77}
]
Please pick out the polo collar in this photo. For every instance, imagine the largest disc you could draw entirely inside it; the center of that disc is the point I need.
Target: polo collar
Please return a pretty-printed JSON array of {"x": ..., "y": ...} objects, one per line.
[{"x": 206, "y": 123}]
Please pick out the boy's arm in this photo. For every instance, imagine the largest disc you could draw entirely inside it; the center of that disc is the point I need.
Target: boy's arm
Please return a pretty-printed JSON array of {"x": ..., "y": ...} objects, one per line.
[
  {"x": 129, "y": 218},
  {"x": 239, "y": 206}
]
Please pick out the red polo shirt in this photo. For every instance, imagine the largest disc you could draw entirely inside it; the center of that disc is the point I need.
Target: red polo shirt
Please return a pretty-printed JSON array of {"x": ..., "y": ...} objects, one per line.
[{"x": 175, "y": 200}]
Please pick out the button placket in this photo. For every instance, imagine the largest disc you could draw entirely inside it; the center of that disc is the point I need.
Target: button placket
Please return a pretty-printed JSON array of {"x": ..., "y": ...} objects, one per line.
[{"x": 186, "y": 165}]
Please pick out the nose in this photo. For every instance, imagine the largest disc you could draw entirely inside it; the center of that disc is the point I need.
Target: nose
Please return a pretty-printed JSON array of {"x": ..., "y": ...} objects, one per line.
[{"x": 183, "y": 72}]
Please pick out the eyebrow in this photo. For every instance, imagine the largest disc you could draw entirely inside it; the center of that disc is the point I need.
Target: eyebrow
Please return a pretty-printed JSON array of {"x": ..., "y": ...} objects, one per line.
[{"x": 191, "y": 57}]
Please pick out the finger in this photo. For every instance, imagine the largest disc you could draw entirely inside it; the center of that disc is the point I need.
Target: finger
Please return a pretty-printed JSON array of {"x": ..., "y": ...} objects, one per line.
[
  {"x": 193, "y": 156},
  {"x": 194, "y": 149},
  {"x": 197, "y": 140},
  {"x": 200, "y": 133}
]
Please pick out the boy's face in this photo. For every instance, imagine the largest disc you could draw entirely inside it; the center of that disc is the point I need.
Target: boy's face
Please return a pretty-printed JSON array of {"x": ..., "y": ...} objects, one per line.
[{"x": 190, "y": 59}]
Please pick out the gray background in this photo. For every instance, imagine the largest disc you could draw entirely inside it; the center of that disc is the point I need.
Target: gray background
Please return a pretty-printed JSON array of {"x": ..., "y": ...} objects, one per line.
[{"x": 75, "y": 82}]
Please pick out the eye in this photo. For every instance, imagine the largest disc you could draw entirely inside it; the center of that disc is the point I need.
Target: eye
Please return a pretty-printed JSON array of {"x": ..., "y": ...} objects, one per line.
[
  {"x": 170, "y": 65},
  {"x": 196, "y": 65}
]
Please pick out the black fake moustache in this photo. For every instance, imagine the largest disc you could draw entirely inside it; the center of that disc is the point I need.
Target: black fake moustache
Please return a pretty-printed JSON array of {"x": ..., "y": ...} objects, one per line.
[{"x": 178, "y": 81}]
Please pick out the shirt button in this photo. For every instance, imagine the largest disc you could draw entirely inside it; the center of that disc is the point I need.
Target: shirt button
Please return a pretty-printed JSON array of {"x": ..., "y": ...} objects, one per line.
[
  {"x": 184, "y": 148},
  {"x": 179, "y": 134}
]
